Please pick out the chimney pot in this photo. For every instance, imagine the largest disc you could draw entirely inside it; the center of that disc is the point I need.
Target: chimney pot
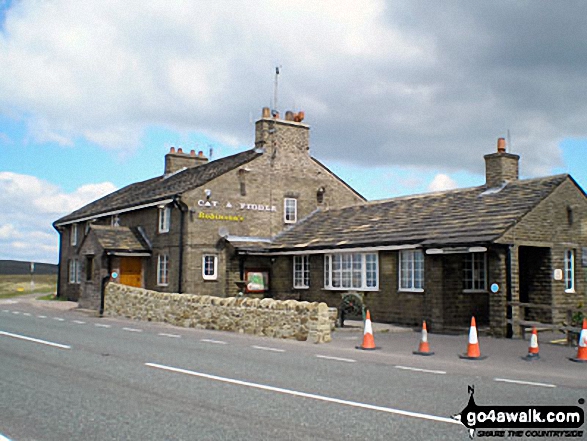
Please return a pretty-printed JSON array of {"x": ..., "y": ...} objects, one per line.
[
  {"x": 299, "y": 117},
  {"x": 266, "y": 112},
  {"x": 501, "y": 145},
  {"x": 180, "y": 150},
  {"x": 172, "y": 150},
  {"x": 192, "y": 152},
  {"x": 289, "y": 115},
  {"x": 201, "y": 154}
]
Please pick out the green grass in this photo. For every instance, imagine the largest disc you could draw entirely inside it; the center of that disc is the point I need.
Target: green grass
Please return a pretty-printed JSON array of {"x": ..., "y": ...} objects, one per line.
[{"x": 18, "y": 285}]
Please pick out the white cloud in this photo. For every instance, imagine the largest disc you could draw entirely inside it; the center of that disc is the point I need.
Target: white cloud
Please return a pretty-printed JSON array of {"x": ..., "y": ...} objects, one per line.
[
  {"x": 442, "y": 182},
  {"x": 30, "y": 205}
]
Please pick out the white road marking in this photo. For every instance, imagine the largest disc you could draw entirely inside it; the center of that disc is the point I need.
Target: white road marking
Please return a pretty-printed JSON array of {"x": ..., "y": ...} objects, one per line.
[
  {"x": 59, "y": 319},
  {"x": 5, "y": 310},
  {"x": 42, "y": 316},
  {"x": 218, "y": 342},
  {"x": 527, "y": 383},
  {"x": 79, "y": 322},
  {"x": 430, "y": 371},
  {"x": 164, "y": 334},
  {"x": 305, "y": 395},
  {"x": 35, "y": 340},
  {"x": 326, "y": 357},
  {"x": 101, "y": 325},
  {"x": 263, "y": 348},
  {"x": 16, "y": 312},
  {"x": 132, "y": 329},
  {"x": 27, "y": 314}
]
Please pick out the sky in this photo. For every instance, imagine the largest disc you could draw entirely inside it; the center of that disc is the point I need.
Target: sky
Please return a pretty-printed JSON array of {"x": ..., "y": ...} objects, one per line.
[{"x": 402, "y": 97}]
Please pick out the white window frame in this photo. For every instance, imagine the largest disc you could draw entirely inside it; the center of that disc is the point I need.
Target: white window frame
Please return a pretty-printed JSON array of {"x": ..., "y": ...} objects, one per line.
[
  {"x": 163, "y": 269},
  {"x": 205, "y": 267},
  {"x": 74, "y": 271},
  {"x": 407, "y": 262},
  {"x": 570, "y": 271},
  {"x": 164, "y": 219},
  {"x": 289, "y": 216},
  {"x": 301, "y": 271},
  {"x": 342, "y": 270},
  {"x": 470, "y": 262},
  {"x": 73, "y": 237}
]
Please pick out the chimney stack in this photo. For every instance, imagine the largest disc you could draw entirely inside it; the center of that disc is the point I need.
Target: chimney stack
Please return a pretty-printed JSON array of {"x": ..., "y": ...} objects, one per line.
[
  {"x": 289, "y": 134},
  {"x": 176, "y": 160},
  {"x": 501, "y": 167}
]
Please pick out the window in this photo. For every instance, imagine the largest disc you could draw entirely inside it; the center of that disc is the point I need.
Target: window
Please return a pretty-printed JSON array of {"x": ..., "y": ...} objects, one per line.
[
  {"x": 89, "y": 268},
  {"x": 163, "y": 270},
  {"x": 164, "y": 219},
  {"x": 475, "y": 272},
  {"x": 74, "y": 271},
  {"x": 290, "y": 210},
  {"x": 411, "y": 271},
  {"x": 73, "y": 238},
  {"x": 209, "y": 267},
  {"x": 351, "y": 270},
  {"x": 301, "y": 272},
  {"x": 115, "y": 221},
  {"x": 569, "y": 271}
]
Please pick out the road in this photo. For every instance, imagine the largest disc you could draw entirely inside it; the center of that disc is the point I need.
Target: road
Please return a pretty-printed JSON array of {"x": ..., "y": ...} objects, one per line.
[{"x": 67, "y": 375}]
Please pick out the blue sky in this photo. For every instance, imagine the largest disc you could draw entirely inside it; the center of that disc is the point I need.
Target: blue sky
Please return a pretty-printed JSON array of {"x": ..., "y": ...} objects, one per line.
[{"x": 401, "y": 98}]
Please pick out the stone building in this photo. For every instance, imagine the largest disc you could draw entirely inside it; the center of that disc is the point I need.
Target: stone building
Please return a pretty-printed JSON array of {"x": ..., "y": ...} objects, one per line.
[
  {"x": 178, "y": 232},
  {"x": 273, "y": 221}
]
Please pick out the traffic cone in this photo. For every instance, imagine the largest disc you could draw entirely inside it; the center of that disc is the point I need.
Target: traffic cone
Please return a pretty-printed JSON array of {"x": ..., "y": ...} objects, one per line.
[
  {"x": 533, "y": 350},
  {"x": 368, "y": 340},
  {"x": 424, "y": 348},
  {"x": 473, "y": 351},
  {"x": 582, "y": 348}
]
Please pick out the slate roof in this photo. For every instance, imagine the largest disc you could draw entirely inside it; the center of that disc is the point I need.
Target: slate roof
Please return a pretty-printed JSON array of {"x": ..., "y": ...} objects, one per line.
[
  {"x": 456, "y": 217},
  {"x": 122, "y": 239},
  {"x": 161, "y": 187}
]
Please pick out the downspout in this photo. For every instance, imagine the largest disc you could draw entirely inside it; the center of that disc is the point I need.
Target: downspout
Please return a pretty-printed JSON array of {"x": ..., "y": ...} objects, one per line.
[
  {"x": 508, "y": 295},
  {"x": 105, "y": 280},
  {"x": 182, "y": 210}
]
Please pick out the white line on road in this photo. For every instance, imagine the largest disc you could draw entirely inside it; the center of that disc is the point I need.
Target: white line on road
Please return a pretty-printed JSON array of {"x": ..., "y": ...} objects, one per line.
[
  {"x": 305, "y": 395},
  {"x": 16, "y": 312},
  {"x": 79, "y": 322},
  {"x": 41, "y": 316},
  {"x": 264, "y": 348},
  {"x": 28, "y": 314},
  {"x": 218, "y": 342},
  {"x": 35, "y": 340},
  {"x": 59, "y": 319},
  {"x": 101, "y": 325},
  {"x": 430, "y": 371},
  {"x": 527, "y": 383},
  {"x": 164, "y": 334},
  {"x": 132, "y": 329},
  {"x": 326, "y": 357},
  {"x": 5, "y": 310}
]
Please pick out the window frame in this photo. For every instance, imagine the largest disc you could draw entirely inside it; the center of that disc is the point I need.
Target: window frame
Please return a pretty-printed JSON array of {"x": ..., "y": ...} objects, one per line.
[
  {"x": 469, "y": 259},
  {"x": 287, "y": 212},
  {"x": 301, "y": 271},
  {"x": 213, "y": 276},
  {"x": 411, "y": 277},
  {"x": 74, "y": 272},
  {"x": 569, "y": 270},
  {"x": 345, "y": 265},
  {"x": 164, "y": 224},
  {"x": 73, "y": 235},
  {"x": 162, "y": 269}
]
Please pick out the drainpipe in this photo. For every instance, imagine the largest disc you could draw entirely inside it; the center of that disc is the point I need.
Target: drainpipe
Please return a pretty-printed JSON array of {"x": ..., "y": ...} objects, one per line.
[
  {"x": 105, "y": 280},
  {"x": 508, "y": 296},
  {"x": 182, "y": 210}
]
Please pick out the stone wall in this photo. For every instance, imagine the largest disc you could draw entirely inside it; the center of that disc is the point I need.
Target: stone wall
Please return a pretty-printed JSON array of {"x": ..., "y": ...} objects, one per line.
[{"x": 265, "y": 317}]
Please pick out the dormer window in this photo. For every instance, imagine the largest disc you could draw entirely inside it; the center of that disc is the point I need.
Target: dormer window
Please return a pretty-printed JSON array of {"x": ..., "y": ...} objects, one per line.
[{"x": 164, "y": 219}]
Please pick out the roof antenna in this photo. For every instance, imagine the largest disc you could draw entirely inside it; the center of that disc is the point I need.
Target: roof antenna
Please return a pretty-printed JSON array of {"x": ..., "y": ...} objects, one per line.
[
  {"x": 210, "y": 152},
  {"x": 275, "y": 112}
]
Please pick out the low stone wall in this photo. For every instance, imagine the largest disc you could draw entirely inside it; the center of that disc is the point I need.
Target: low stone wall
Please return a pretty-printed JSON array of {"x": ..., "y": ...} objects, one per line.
[{"x": 267, "y": 317}]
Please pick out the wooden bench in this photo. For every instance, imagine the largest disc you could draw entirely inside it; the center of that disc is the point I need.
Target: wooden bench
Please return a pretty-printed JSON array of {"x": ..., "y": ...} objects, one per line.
[{"x": 528, "y": 325}]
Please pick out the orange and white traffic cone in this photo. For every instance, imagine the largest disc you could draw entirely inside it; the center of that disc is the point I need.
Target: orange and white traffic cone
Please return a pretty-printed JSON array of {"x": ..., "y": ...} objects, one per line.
[
  {"x": 368, "y": 340},
  {"x": 582, "y": 348},
  {"x": 533, "y": 350},
  {"x": 424, "y": 348},
  {"x": 473, "y": 351}
]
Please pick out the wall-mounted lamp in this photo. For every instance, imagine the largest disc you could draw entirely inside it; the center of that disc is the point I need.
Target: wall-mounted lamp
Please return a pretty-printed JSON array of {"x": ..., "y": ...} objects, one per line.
[{"x": 208, "y": 193}]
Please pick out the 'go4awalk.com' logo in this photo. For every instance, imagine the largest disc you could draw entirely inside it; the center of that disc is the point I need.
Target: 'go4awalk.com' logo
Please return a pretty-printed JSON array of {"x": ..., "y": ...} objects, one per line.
[{"x": 522, "y": 421}]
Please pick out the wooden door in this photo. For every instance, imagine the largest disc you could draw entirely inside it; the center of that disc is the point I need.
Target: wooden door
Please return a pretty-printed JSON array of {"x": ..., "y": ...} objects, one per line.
[{"x": 131, "y": 269}]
